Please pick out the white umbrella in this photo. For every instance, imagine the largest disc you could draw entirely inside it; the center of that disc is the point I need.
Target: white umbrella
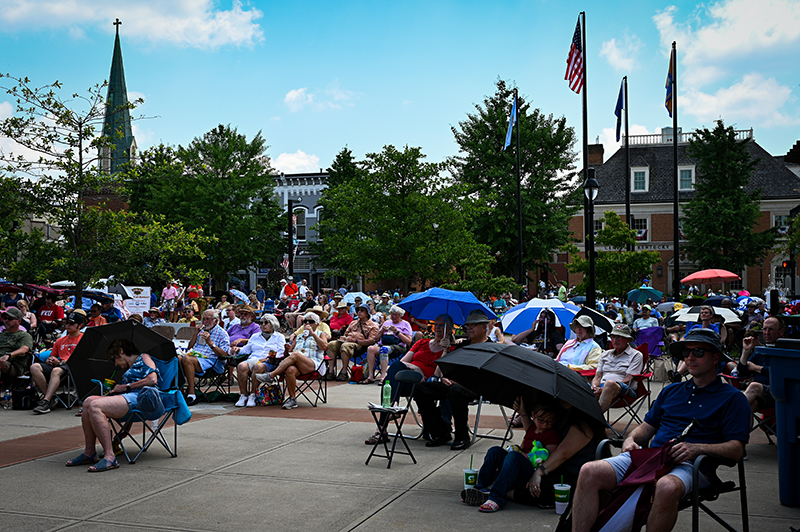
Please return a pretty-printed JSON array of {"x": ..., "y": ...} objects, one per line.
[{"x": 689, "y": 314}]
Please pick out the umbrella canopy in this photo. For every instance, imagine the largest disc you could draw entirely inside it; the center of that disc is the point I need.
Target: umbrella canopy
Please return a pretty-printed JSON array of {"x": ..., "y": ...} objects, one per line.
[
  {"x": 600, "y": 320},
  {"x": 238, "y": 294},
  {"x": 13, "y": 288},
  {"x": 63, "y": 284},
  {"x": 43, "y": 289},
  {"x": 121, "y": 290},
  {"x": 350, "y": 298},
  {"x": 666, "y": 307},
  {"x": 716, "y": 301},
  {"x": 687, "y": 314},
  {"x": 743, "y": 301},
  {"x": 578, "y": 299},
  {"x": 521, "y": 317},
  {"x": 97, "y": 295},
  {"x": 435, "y": 301},
  {"x": 643, "y": 293},
  {"x": 710, "y": 276},
  {"x": 89, "y": 360},
  {"x": 501, "y": 373}
]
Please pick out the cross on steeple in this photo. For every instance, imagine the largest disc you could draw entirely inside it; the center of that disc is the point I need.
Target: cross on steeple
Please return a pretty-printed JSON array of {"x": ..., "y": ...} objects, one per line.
[{"x": 117, "y": 24}]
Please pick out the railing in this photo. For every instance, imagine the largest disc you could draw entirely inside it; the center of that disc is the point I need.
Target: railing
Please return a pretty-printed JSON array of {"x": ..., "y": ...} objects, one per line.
[{"x": 665, "y": 137}]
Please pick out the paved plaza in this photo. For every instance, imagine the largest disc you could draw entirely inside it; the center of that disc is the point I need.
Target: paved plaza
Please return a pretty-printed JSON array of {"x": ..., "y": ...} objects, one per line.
[{"x": 265, "y": 468}]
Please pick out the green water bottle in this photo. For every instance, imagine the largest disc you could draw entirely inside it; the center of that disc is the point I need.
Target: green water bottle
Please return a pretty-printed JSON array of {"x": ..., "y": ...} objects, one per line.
[{"x": 386, "y": 400}]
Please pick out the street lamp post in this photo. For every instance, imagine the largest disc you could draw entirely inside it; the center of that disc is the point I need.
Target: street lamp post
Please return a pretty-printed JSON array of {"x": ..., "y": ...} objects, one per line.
[
  {"x": 590, "y": 189},
  {"x": 290, "y": 231}
]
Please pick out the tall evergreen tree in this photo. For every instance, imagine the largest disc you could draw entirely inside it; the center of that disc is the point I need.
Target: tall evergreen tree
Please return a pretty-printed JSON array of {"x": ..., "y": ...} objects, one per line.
[
  {"x": 550, "y": 197},
  {"x": 719, "y": 220}
]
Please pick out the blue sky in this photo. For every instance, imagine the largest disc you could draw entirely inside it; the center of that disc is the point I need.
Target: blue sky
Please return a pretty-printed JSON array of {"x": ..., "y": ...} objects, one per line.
[{"x": 317, "y": 76}]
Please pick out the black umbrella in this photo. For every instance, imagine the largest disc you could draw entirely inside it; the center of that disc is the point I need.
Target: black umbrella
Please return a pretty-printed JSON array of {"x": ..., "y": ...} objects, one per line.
[
  {"x": 599, "y": 320},
  {"x": 89, "y": 360},
  {"x": 501, "y": 373}
]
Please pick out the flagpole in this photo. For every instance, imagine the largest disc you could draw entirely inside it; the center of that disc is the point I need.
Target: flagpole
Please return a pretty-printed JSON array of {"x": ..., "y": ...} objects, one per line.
[
  {"x": 627, "y": 164},
  {"x": 676, "y": 256},
  {"x": 590, "y": 289},
  {"x": 522, "y": 279}
]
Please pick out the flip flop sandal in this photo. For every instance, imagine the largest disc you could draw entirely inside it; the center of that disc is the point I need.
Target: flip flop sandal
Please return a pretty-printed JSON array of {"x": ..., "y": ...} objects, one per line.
[
  {"x": 489, "y": 507},
  {"x": 82, "y": 459},
  {"x": 366, "y": 381},
  {"x": 103, "y": 465}
]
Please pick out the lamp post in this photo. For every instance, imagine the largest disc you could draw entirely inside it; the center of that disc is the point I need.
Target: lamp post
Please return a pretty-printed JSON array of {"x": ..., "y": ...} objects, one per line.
[
  {"x": 760, "y": 277},
  {"x": 590, "y": 189},
  {"x": 290, "y": 231}
]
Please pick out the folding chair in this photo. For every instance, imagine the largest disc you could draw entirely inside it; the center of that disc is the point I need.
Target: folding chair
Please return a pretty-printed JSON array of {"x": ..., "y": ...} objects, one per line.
[
  {"x": 310, "y": 385},
  {"x": 412, "y": 378},
  {"x": 699, "y": 496},
  {"x": 153, "y": 430},
  {"x": 507, "y": 435},
  {"x": 632, "y": 406},
  {"x": 213, "y": 382},
  {"x": 68, "y": 396},
  {"x": 396, "y": 414},
  {"x": 167, "y": 331},
  {"x": 764, "y": 419}
]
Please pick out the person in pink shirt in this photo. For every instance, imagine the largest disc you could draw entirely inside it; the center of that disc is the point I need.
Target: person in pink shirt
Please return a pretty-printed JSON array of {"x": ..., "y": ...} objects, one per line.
[{"x": 169, "y": 298}]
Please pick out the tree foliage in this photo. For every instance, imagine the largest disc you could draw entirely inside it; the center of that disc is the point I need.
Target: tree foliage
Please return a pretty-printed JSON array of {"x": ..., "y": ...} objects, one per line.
[
  {"x": 719, "y": 220},
  {"x": 475, "y": 275},
  {"x": 392, "y": 216},
  {"x": 617, "y": 271},
  {"x": 488, "y": 175},
  {"x": 55, "y": 163},
  {"x": 220, "y": 184}
]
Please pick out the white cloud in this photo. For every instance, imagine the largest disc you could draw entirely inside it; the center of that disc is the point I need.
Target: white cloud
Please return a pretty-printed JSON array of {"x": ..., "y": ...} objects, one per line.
[
  {"x": 296, "y": 99},
  {"x": 608, "y": 138},
  {"x": 754, "y": 100},
  {"x": 193, "y": 23},
  {"x": 621, "y": 55},
  {"x": 295, "y": 163},
  {"x": 6, "y": 110}
]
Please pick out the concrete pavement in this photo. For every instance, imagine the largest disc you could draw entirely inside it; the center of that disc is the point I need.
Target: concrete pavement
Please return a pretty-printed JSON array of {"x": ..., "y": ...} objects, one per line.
[{"x": 265, "y": 468}]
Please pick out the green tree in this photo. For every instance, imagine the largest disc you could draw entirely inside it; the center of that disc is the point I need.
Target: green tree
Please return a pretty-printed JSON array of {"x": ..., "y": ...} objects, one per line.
[
  {"x": 475, "y": 272},
  {"x": 394, "y": 217},
  {"x": 57, "y": 163},
  {"x": 719, "y": 220},
  {"x": 617, "y": 271},
  {"x": 487, "y": 172},
  {"x": 220, "y": 184}
]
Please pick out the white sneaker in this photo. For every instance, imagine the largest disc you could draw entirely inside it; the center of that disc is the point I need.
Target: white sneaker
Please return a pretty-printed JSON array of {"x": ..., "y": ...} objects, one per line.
[
  {"x": 251, "y": 401},
  {"x": 266, "y": 378},
  {"x": 290, "y": 403},
  {"x": 242, "y": 400}
]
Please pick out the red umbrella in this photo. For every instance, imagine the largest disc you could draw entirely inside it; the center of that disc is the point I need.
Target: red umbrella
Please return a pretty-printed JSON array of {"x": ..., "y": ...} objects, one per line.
[{"x": 711, "y": 276}]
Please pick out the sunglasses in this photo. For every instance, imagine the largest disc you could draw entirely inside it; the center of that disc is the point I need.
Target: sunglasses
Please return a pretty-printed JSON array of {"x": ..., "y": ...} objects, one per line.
[
  {"x": 698, "y": 352},
  {"x": 71, "y": 322},
  {"x": 9, "y": 317},
  {"x": 309, "y": 321}
]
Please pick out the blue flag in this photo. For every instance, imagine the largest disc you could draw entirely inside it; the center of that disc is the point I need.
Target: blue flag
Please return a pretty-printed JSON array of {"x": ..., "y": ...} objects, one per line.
[
  {"x": 618, "y": 110},
  {"x": 670, "y": 83},
  {"x": 511, "y": 122}
]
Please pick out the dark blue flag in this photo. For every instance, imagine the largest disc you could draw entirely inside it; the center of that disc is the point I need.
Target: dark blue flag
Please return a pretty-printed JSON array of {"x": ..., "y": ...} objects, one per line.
[{"x": 618, "y": 110}]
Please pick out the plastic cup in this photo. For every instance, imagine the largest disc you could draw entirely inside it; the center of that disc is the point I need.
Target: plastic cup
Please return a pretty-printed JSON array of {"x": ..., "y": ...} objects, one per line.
[
  {"x": 562, "y": 497},
  {"x": 470, "y": 478}
]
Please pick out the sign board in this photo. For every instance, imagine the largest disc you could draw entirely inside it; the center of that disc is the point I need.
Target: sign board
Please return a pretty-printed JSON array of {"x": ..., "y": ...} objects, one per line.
[{"x": 140, "y": 303}]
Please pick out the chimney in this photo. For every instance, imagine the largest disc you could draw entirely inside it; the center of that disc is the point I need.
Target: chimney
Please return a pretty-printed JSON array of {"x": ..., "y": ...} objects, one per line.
[{"x": 596, "y": 154}]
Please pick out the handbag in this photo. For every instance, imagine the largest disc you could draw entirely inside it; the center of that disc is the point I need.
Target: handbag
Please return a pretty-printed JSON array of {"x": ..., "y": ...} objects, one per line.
[
  {"x": 269, "y": 395},
  {"x": 389, "y": 339}
]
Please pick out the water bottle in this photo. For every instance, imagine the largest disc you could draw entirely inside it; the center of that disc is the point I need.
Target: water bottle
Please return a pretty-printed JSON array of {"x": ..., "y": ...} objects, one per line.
[
  {"x": 735, "y": 372},
  {"x": 386, "y": 400},
  {"x": 7, "y": 400}
]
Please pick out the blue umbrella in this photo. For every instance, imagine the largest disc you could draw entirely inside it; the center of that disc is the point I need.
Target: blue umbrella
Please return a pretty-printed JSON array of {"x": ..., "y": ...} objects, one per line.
[
  {"x": 435, "y": 301},
  {"x": 643, "y": 293},
  {"x": 521, "y": 317}
]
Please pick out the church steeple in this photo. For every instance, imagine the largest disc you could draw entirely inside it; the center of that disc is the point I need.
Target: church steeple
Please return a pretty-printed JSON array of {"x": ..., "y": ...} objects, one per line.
[{"x": 117, "y": 122}]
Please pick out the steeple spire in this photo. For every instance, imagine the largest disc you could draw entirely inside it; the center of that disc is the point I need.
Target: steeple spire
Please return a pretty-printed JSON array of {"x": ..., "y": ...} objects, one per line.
[{"x": 117, "y": 122}]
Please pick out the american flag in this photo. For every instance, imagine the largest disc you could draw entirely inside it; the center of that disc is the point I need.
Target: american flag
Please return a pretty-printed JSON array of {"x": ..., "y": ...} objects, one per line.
[
  {"x": 575, "y": 61},
  {"x": 285, "y": 263}
]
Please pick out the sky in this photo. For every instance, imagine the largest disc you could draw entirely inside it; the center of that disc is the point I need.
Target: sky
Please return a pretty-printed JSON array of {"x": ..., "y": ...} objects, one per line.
[{"x": 316, "y": 76}]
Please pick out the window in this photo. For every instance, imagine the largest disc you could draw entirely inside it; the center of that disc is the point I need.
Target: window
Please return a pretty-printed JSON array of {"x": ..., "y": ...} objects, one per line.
[
  {"x": 640, "y": 226},
  {"x": 783, "y": 277},
  {"x": 300, "y": 224},
  {"x": 598, "y": 226},
  {"x": 686, "y": 178},
  {"x": 641, "y": 178},
  {"x": 318, "y": 217},
  {"x": 782, "y": 222}
]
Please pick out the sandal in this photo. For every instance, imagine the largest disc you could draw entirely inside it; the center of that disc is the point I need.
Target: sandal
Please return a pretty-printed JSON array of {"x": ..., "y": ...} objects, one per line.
[
  {"x": 103, "y": 465},
  {"x": 474, "y": 497},
  {"x": 378, "y": 437},
  {"x": 489, "y": 507},
  {"x": 82, "y": 459},
  {"x": 367, "y": 381}
]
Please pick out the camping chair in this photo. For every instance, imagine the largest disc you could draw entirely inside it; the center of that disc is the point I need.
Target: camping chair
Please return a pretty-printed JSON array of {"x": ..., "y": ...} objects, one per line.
[
  {"x": 764, "y": 419},
  {"x": 152, "y": 430},
  {"x": 213, "y": 384},
  {"x": 311, "y": 386},
  {"x": 68, "y": 395},
  {"x": 507, "y": 435},
  {"x": 167, "y": 331},
  {"x": 698, "y": 497},
  {"x": 632, "y": 406},
  {"x": 410, "y": 377}
]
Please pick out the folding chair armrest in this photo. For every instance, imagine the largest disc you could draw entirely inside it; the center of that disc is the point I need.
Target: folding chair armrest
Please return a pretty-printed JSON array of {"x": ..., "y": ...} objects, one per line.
[
  {"x": 604, "y": 448},
  {"x": 588, "y": 373}
]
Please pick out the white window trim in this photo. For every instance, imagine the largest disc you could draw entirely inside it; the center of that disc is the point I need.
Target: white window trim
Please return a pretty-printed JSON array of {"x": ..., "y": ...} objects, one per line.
[
  {"x": 296, "y": 208},
  {"x": 694, "y": 175},
  {"x": 649, "y": 227},
  {"x": 646, "y": 170}
]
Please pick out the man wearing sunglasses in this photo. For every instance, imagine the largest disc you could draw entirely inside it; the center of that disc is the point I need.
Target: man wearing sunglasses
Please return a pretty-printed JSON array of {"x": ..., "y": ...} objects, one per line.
[
  {"x": 47, "y": 375},
  {"x": 724, "y": 429},
  {"x": 15, "y": 344}
]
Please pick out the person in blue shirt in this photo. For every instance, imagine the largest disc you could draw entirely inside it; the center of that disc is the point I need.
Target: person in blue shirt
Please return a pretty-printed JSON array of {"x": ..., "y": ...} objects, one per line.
[{"x": 724, "y": 429}]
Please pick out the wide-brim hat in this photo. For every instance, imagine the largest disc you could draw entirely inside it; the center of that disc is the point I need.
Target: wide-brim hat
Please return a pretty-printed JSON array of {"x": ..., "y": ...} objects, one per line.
[
  {"x": 703, "y": 336},
  {"x": 620, "y": 329},
  {"x": 476, "y": 317},
  {"x": 386, "y": 294},
  {"x": 342, "y": 304},
  {"x": 319, "y": 311},
  {"x": 79, "y": 318},
  {"x": 582, "y": 321},
  {"x": 155, "y": 309},
  {"x": 247, "y": 308}
]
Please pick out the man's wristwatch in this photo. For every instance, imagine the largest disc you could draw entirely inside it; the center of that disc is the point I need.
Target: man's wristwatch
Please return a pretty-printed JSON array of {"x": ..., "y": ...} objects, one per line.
[{"x": 127, "y": 387}]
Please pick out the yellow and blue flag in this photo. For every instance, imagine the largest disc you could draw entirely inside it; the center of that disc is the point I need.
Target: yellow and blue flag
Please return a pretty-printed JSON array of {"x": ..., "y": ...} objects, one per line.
[{"x": 670, "y": 83}]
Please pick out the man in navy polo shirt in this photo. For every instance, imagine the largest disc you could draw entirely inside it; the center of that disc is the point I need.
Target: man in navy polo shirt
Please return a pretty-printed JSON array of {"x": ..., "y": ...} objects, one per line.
[{"x": 721, "y": 410}]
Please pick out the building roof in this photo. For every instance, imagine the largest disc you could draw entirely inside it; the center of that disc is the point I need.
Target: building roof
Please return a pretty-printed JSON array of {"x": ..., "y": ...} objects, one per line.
[
  {"x": 117, "y": 121},
  {"x": 771, "y": 175}
]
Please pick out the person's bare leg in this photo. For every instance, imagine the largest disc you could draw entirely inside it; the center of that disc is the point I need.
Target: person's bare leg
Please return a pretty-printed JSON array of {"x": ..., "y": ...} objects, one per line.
[
  {"x": 38, "y": 377},
  {"x": 384, "y": 368},
  {"x": 190, "y": 366},
  {"x": 664, "y": 513},
  {"x": 291, "y": 381},
  {"x": 97, "y": 413},
  {"x": 610, "y": 392},
  {"x": 243, "y": 376},
  {"x": 594, "y": 477},
  {"x": 55, "y": 382},
  {"x": 371, "y": 352}
]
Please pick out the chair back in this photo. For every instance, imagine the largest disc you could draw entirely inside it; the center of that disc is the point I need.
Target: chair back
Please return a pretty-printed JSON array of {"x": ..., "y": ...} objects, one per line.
[
  {"x": 185, "y": 333},
  {"x": 169, "y": 373},
  {"x": 167, "y": 331}
]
